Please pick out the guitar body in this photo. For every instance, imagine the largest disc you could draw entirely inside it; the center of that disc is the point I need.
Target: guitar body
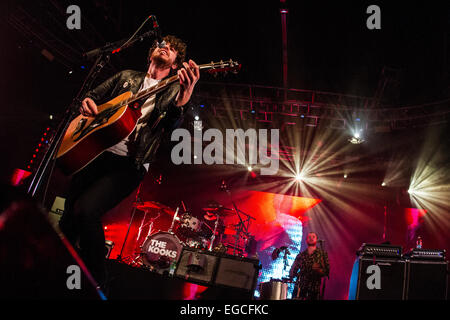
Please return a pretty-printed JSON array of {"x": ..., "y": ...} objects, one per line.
[{"x": 87, "y": 137}]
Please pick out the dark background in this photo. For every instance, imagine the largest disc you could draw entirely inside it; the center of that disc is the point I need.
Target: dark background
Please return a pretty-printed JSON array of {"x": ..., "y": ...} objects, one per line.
[{"x": 329, "y": 49}]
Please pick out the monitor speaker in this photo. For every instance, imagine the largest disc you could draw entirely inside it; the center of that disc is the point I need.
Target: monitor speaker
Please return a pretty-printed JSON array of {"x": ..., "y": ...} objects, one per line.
[
  {"x": 237, "y": 272},
  {"x": 197, "y": 266}
]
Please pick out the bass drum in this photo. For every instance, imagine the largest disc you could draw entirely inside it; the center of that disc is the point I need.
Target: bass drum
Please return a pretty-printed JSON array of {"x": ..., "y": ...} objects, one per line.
[{"x": 160, "y": 250}]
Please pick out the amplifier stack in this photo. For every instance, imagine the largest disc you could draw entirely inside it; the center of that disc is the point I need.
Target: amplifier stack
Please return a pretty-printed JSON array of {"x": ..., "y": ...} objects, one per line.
[{"x": 382, "y": 272}]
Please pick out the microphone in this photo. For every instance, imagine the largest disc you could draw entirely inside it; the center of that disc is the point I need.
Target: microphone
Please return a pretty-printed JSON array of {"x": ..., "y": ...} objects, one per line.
[{"x": 160, "y": 42}]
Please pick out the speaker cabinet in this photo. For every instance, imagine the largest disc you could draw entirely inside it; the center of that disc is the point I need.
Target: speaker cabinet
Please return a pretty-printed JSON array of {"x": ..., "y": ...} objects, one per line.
[
  {"x": 237, "y": 272},
  {"x": 426, "y": 280},
  {"x": 391, "y": 272},
  {"x": 197, "y": 266}
]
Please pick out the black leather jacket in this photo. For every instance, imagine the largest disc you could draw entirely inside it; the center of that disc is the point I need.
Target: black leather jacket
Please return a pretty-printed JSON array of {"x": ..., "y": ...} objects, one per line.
[{"x": 164, "y": 118}]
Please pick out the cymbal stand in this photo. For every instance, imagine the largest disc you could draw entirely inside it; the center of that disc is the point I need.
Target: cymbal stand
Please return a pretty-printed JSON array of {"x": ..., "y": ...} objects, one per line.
[
  {"x": 137, "y": 255},
  {"x": 175, "y": 217},
  {"x": 141, "y": 226},
  {"x": 213, "y": 237},
  {"x": 242, "y": 227},
  {"x": 150, "y": 229}
]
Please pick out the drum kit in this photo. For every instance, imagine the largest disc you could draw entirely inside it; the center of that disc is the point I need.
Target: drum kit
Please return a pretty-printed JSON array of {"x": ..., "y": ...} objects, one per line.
[{"x": 161, "y": 248}]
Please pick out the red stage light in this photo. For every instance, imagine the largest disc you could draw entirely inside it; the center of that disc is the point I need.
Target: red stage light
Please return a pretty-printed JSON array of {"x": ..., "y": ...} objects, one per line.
[{"x": 19, "y": 175}]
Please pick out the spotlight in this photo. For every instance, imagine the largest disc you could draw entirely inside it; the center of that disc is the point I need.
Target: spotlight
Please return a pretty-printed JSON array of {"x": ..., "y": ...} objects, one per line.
[
  {"x": 249, "y": 168},
  {"x": 299, "y": 177},
  {"x": 197, "y": 118},
  {"x": 383, "y": 184},
  {"x": 356, "y": 140},
  {"x": 345, "y": 176}
]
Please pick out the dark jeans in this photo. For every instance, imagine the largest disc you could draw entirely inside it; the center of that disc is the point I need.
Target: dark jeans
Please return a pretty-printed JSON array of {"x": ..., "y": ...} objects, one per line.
[{"x": 93, "y": 191}]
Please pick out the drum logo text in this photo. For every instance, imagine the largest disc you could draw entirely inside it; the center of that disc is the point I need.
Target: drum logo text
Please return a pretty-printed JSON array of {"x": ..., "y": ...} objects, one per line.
[{"x": 159, "y": 247}]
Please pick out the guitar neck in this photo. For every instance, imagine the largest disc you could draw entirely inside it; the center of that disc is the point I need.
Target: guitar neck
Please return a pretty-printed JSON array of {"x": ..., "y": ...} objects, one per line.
[{"x": 161, "y": 86}]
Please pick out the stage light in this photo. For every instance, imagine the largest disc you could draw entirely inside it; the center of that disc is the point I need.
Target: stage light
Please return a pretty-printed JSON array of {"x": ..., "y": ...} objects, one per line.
[
  {"x": 198, "y": 124},
  {"x": 299, "y": 176},
  {"x": 249, "y": 168},
  {"x": 383, "y": 184},
  {"x": 356, "y": 139},
  {"x": 196, "y": 118},
  {"x": 345, "y": 176}
]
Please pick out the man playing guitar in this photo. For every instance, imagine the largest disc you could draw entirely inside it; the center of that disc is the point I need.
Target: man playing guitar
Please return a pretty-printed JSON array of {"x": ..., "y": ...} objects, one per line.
[{"x": 113, "y": 175}]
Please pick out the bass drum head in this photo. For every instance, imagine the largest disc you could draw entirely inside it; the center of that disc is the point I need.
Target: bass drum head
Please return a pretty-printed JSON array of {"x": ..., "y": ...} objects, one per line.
[{"x": 160, "y": 250}]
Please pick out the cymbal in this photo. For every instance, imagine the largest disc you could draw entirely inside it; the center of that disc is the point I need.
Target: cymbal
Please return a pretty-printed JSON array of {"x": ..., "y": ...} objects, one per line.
[
  {"x": 145, "y": 205},
  {"x": 210, "y": 217},
  {"x": 220, "y": 211}
]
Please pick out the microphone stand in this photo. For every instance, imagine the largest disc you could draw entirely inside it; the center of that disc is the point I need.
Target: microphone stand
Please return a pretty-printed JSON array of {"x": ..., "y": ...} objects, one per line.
[{"x": 103, "y": 56}]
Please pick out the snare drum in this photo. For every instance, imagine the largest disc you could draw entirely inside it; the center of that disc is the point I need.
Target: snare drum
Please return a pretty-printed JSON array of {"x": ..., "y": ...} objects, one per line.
[{"x": 160, "y": 250}]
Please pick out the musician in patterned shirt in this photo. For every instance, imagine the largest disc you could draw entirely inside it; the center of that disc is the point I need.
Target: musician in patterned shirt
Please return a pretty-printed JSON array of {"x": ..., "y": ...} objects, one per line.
[{"x": 310, "y": 266}]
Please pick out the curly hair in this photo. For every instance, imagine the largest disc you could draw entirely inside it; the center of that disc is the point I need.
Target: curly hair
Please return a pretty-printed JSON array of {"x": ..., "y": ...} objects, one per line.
[{"x": 175, "y": 43}]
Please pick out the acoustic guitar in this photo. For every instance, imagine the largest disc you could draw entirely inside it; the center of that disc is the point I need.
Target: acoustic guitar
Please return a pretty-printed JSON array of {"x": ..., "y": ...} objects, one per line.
[{"x": 88, "y": 137}]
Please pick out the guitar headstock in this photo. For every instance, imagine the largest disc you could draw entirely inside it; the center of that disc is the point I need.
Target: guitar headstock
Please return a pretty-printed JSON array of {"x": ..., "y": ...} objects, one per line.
[{"x": 222, "y": 66}]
